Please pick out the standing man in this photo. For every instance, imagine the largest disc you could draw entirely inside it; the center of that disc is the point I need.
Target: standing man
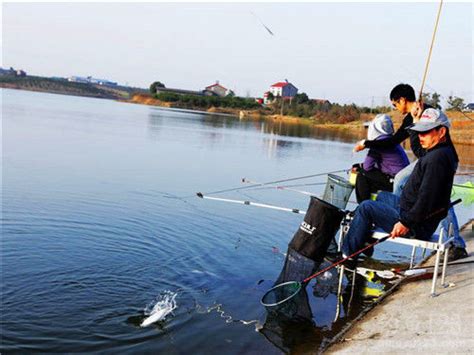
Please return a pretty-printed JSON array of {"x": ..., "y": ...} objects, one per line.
[
  {"x": 425, "y": 198},
  {"x": 403, "y": 99}
]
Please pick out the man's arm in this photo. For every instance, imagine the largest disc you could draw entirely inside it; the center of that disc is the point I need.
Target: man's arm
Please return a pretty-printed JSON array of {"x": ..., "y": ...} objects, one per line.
[{"x": 400, "y": 135}]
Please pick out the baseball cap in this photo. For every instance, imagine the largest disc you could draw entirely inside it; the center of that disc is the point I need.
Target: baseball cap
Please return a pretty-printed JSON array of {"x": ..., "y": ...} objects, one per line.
[{"x": 431, "y": 118}]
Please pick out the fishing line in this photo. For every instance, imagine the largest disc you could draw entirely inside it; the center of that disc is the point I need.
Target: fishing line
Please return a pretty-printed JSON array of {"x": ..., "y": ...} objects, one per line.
[
  {"x": 286, "y": 187},
  {"x": 244, "y": 180},
  {"x": 227, "y": 317},
  {"x": 309, "y": 184},
  {"x": 250, "y": 196},
  {"x": 440, "y": 95},
  {"x": 431, "y": 50},
  {"x": 272, "y": 182},
  {"x": 283, "y": 187}
]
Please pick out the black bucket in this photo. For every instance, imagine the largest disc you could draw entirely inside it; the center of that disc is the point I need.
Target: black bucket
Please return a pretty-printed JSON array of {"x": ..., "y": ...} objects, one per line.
[{"x": 318, "y": 229}]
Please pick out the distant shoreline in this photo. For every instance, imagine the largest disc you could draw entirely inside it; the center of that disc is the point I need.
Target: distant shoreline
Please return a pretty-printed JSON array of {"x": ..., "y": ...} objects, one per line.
[{"x": 462, "y": 130}]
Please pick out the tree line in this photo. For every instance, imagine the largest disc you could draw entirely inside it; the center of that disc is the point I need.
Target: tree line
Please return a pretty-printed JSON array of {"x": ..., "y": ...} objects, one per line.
[{"x": 299, "y": 106}]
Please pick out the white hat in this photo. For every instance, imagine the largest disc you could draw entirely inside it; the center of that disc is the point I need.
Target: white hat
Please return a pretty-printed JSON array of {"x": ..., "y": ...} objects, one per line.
[
  {"x": 431, "y": 118},
  {"x": 380, "y": 125}
]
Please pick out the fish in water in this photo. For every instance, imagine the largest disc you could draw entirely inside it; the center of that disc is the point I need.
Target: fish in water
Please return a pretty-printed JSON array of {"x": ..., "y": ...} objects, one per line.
[{"x": 164, "y": 306}]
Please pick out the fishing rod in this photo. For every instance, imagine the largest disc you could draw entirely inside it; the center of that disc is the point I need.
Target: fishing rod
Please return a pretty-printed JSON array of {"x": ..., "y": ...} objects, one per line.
[
  {"x": 273, "y": 182},
  {"x": 250, "y": 203},
  {"x": 430, "y": 51},
  {"x": 247, "y": 181},
  {"x": 308, "y": 184},
  {"x": 282, "y": 187}
]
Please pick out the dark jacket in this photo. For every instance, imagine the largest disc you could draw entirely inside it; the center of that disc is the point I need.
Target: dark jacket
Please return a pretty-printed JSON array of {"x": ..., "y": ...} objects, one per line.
[
  {"x": 403, "y": 133},
  {"x": 425, "y": 199}
]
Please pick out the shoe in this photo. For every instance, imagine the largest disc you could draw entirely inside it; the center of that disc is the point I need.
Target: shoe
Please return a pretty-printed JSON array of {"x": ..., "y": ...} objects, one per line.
[
  {"x": 333, "y": 257},
  {"x": 456, "y": 253},
  {"x": 369, "y": 252},
  {"x": 350, "y": 264}
]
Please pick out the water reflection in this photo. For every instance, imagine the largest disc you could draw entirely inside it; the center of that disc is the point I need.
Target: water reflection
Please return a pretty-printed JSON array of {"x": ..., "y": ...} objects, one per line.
[
  {"x": 302, "y": 129},
  {"x": 275, "y": 147}
]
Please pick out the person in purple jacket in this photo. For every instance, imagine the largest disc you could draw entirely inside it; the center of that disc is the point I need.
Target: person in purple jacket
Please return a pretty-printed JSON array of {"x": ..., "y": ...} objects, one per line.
[{"x": 380, "y": 164}]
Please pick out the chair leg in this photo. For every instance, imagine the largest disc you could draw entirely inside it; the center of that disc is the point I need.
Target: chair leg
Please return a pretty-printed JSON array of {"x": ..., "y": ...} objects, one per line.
[
  {"x": 412, "y": 258},
  {"x": 445, "y": 264},
  {"x": 436, "y": 266},
  {"x": 445, "y": 259},
  {"x": 435, "y": 274}
]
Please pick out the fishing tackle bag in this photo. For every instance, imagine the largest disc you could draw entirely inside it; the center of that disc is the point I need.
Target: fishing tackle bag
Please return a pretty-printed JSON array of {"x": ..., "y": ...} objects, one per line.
[{"x": 318, "y": 228}]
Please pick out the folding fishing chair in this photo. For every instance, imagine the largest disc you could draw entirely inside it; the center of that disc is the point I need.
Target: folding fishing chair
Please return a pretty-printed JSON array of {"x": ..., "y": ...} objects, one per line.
[{"x": 439, "y": 243}]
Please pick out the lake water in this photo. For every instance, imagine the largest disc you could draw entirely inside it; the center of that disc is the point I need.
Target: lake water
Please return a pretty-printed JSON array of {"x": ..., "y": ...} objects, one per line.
[{"x": 99, "y": 220}]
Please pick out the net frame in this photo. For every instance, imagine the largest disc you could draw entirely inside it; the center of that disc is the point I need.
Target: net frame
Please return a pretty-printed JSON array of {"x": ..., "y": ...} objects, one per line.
[{"x": 281, "y": 286}]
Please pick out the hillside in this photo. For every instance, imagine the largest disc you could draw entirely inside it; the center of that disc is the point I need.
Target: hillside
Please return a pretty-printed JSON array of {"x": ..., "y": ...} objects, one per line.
[{"x": 62, "y": 86}]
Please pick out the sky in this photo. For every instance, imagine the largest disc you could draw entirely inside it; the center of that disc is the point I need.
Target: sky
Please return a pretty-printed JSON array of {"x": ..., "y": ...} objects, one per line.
[{"x": 341, "y": 51}]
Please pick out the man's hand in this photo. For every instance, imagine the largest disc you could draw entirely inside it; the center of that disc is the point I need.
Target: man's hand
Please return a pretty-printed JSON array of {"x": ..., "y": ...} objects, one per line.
[
  {"x": 416, "y": 111},
  {"x": 359, "y": 146},
  {"x": 399, "y": 230}
]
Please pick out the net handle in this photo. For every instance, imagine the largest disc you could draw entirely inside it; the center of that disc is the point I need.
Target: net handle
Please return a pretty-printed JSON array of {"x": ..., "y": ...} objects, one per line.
[{"x": 306, "y": 280}]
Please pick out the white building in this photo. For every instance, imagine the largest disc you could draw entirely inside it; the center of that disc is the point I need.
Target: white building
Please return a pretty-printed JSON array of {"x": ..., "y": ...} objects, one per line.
[
  {"x": 217, "y": 89},
  {"x": 282, "y": 89},
  {"x": 91, "y": 80}
]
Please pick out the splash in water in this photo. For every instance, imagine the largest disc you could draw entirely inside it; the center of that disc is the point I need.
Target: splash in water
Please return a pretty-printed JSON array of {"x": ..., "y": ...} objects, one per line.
[{"x": 160, "y": 308}]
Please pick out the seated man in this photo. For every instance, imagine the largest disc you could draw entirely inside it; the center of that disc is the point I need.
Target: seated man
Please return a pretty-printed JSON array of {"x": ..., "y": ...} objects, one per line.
[
  {"x": 425, "y": 199},
  {"x": 381, "y": 164}
]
